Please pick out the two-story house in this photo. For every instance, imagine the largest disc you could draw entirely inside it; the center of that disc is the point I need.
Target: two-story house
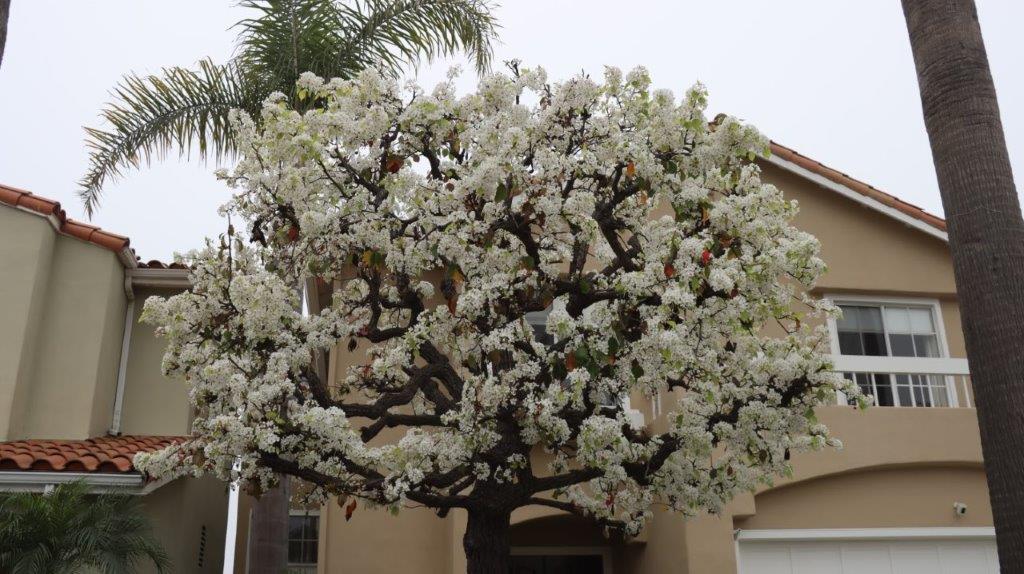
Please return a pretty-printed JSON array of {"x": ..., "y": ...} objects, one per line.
[
  {"x": 906, "y": 494},
  {"x": 80, "y": 385}
]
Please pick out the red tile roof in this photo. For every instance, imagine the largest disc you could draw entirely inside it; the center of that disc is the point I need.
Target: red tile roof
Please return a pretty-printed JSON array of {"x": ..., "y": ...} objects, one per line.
[
  {"x": 858, "y": 186},
  {"x": 155, "y": 264},
  {"x": 107, "y": 454},
  {"x": 49, "y": 208}
]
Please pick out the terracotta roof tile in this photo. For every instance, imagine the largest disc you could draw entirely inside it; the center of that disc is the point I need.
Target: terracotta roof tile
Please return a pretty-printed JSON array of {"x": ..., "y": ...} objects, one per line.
[
  {"x": 20, "y": 198},
  {"x": 47, "y": 207},
  {"x": 155, "y": 264},
  {"x": 858, "y": 186},
  {"x": 108, "y": 454}
]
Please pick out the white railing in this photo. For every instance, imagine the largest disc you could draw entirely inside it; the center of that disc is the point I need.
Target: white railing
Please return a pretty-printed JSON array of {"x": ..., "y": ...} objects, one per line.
[{"x": 955, "y": 373}]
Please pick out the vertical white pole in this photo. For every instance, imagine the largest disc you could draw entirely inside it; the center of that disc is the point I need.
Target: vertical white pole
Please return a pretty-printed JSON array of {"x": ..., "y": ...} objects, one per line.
[{"x": 231, "y": 533}]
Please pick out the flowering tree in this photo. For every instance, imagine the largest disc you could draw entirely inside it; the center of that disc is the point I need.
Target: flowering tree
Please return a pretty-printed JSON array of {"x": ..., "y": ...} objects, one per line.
[{"x": 442, "y": 221}]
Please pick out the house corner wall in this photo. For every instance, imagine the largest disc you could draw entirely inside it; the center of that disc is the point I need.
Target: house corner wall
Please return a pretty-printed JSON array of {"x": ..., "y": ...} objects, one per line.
[
  {"x": 26, "y": 272},
  {"x": 79, "y": 343}
]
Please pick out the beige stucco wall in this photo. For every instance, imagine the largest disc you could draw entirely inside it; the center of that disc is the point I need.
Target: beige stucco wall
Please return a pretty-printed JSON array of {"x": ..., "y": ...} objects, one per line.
[
  {"x": 886, "y": 450},
  {"x": 178, "y": 513},
  {"x": 900, "y": 496},
  {"x": 62, "y": 317},
  {"x": 66, "y": 307},
  {"x": 26, "y": 249},
  {"x": 376, "y": 542},
  {"x": 153, "y": 404},
  {"x": 864, "y": 249}
]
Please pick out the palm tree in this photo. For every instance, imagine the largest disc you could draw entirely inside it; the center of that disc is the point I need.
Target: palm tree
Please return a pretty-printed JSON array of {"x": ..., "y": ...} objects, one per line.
[
  {"x": 986, "y": 238},
  {"x": 69, "y": 530},
  {"x": 5, "y": 11},
  {"x": 183, "y": 109}
]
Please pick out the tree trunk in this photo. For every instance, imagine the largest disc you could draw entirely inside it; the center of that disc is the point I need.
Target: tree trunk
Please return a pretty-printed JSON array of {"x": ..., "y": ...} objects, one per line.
[
  {"x": 5, "y": 12},
  {"x": 986, "y": 237},
  {"x": 486, "y": 542},
  {"x": 268, "y": 531}
]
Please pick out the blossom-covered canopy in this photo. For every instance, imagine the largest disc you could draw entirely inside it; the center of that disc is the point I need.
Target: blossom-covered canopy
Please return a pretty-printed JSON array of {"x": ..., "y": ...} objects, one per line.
[{"x": 667, "y": 266}]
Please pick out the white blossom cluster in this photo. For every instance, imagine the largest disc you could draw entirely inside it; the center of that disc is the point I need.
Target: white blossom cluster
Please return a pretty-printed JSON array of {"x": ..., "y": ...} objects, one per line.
[{"x": 440, "y": 221}]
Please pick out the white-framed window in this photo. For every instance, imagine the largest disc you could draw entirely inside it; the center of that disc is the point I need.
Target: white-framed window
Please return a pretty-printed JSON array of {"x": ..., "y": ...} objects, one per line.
[
  {"x": 303, "y": 541},
  {"x": 894, "y": 328}
]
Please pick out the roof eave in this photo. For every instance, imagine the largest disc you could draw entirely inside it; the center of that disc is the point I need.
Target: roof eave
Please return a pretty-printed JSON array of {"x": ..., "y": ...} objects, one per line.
[
  {"x": 99, "y": 482},
  {"x": 860, "y": 198},
  {"x": 159, "y": 278}
]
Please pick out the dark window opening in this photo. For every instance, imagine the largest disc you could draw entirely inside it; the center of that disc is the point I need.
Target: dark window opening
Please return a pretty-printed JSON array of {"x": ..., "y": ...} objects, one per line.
[{"x": 558, "y": 564}]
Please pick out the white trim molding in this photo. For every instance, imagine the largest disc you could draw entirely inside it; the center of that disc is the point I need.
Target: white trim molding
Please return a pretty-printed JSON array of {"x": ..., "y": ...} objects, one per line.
[
  {"x": 160, "y": 278},
  {"x": 923, "y": 533},
  {"x": 900, "y": 365},
  {"x": 303, "y": 512},
  {"x": 858, "y": 197},
  {"x": 99, "y": 482}
]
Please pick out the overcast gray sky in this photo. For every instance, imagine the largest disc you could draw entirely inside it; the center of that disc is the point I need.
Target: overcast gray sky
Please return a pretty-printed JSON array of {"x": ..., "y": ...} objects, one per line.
[{"x": 833, "y": 79}]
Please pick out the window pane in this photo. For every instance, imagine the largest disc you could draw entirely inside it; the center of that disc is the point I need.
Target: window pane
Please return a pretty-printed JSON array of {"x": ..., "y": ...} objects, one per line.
[
  {"x": 871, "y": 319},
  {"x": 295, "y": 524},
  {"x": 904, "y": 396},
  {"x": 883, "y": 391},
  {"x": 309, "y": 552},
  {"x": 848, "y": 322},
  {"x": 940, "y": 396},
  {"x": 897, "y": 320},
  {"x": 874, "y": 344},
  {"x": 302, "y": 538},
  {"x": 850, "y": 344},
  {"x": 921, "y": 320},
  {"x": 903, "y": 392},
  {"x": 922, "y": 397},
  {"x": 927, "y": 345},
  {"x": 902, "y": 345}
]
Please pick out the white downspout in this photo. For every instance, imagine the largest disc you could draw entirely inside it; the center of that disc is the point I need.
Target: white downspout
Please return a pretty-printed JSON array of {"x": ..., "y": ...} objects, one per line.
[{"x": 122, "y": 368}]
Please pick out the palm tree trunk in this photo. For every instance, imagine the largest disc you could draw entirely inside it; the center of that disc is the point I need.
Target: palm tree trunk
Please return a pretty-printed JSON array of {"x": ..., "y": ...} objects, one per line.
[
  {"x": 268, "y": 531},
  {"x": 5, "y": 11},
  {"x": 986, "y": 237}
]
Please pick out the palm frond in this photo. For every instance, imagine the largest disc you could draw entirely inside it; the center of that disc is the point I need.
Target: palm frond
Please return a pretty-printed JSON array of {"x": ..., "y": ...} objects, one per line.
[
  {"x": 70, "y": 530},
  {"x": 181, "y": 108},
  {"x": 289, "y": 37},
  {"x": 397, "y": 32},
  {"x": 175, "y": 110}
]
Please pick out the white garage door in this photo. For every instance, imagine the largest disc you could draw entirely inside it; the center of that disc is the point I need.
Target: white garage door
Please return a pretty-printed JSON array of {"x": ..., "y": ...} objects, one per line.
[{"x": 946, "y": 555}]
